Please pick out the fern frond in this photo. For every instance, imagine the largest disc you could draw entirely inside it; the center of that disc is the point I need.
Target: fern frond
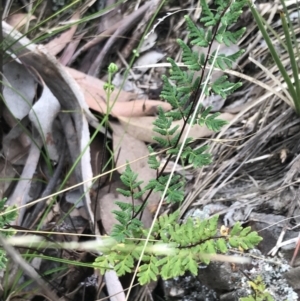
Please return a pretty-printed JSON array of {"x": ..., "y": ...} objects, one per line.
[
  {"x": 125, "y": 264},
  {"x": 243, "y": 238},
  {"x": 228, "y": 37},
  {"x": 174, "y": 192},
  {"x": 148, "y": 272},
  {"x": 211, "y": 121},
  {"x": 198, "y": 36},
  {"x": 105, "y": 263},
  {"x": 169, "y": 92},
  {"x": 223, "y": 87},
  {"x": 194, "y": 239},
  {"x": 191, "y": 240},
  {"x": 9, "y": 214},
  {"x": 183, "y": 79},
  {"x": 208, "y": 17},
  {"x": 197, "y": 157},
  {"x": 163, "y": 126},
  {"x": 189, "y": 57}
]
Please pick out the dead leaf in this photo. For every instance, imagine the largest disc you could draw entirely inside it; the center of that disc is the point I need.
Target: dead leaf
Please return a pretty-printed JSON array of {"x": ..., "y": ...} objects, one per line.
[
  {"x": 56, "y": 45},
  {"x": 42, "y": 115},
  {"x": 148, "y": 58},
  {"x": 20, "y": 196},
  {"x": 137, "y": 108},
  {"x": 95, "y": 97},
  {"x": 93, "y": 88},
  {"x": 14, "y": 151},
  {"x": 149, "y": 42},
  {"x": 68, "y": 52},
  {"x": 74, "y": 197},
  {"x": 19, "y": 89},
  {"x": 19, "y": 20},
  {"x": 142, "y": 127},
  {"x": 128, "y": 148}
]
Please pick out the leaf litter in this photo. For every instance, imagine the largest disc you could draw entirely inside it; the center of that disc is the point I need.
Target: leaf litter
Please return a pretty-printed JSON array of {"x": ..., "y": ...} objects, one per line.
[{"x": 36, "y": 76}]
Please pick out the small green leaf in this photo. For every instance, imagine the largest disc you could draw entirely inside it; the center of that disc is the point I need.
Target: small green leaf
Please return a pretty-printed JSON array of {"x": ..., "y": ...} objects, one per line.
[
  {"x": 237, "y": 228},
  {"x": 234, "y": 242},
  {"x": 221, "y": 245}
]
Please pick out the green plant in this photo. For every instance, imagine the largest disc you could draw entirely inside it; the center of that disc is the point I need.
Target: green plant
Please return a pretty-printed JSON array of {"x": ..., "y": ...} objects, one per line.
[
  {"x": 259, "y": 291},
  {"x": 8, "y": 215},
  {"x": 193, "y": 241},
  {"x": 171, "y": 246},
  {"x": 290, "y": 44},
  {"x": 188, "y": 244}
]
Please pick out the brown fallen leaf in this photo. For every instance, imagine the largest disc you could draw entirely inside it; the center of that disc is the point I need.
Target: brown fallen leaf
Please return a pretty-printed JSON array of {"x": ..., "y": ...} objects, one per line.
[
  {"x": 70, "y": 50},
  {"x": 128, "y": 148},
  {"x": 126, "y": 104},
  {"x": 56, "y": 45},
  {"x": 92, "y": 88},
  {"x": 142, "y": 127},
  {"x": 19, "y": 20}
]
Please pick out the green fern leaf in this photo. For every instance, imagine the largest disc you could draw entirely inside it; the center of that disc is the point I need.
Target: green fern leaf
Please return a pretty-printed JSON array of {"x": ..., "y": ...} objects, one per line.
[
  {"x": 173, "y": 142},
  {"x": 233, "y": 241},
  {"x": 175, "y": 115},
  {"x": 3, "y": 259},
  {"x": 211, "y": 122},
  {"x": 245, "y": 231},
  {"x": 253, "y": 239},
  {"x": 165, "y": 220},
  {"x": 197, "y": 35},
  {"x": 208, "y": 16},
  {"x": 166, "y": 269},
  {"x": 124, "y": 192},
  {"x": 228, "y": 37},
  {"x": 148, "y": 272},
  {"x": 163, "y": 142},
  {"x": 176, "y": 263},
  {"x": 169, "y": 93},
  {"x": 197, "y": 157},
  {"x": 123, "y": 206},
  {"x": 237, "y": 228},
  {"x": 192, "y": 265},
  {"x": 9, "y": 214},
  {"x": 189, "y": 57},
  {"x": 119, "y": 233},
  {"x": 181, "y": 77},
  {"x": 125, "y": 265},
  {"x": 104, "y": 263},
  {"x": 221, "y": 245},
  {"x": 175, "y": 196},
  {"x": 213, "y": 224}
]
